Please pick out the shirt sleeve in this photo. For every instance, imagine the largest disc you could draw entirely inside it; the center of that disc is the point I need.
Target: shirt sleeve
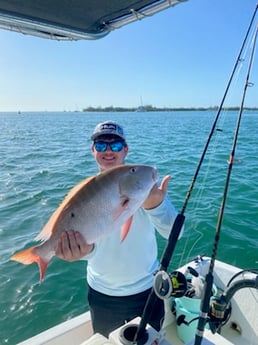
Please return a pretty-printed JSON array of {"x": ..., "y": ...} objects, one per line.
[{"x": 163, "y": 217}]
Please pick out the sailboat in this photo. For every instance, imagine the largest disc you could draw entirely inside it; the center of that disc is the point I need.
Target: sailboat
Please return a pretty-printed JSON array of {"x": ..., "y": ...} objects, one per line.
[
  {"x": 207, "y": 301},
  {"x": 141, "y": 108}
]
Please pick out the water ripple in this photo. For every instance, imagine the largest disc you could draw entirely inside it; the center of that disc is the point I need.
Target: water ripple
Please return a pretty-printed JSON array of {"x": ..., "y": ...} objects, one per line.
[{"x": 44, "y": 154}]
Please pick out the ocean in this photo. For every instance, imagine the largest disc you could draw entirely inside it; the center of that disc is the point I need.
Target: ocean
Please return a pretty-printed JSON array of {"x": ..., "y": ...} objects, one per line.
[{"x": 43, "y": 155}]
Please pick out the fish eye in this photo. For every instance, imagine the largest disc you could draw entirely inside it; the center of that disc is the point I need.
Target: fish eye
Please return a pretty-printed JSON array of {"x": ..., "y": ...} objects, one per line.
[{"x": 133, "y": 169}]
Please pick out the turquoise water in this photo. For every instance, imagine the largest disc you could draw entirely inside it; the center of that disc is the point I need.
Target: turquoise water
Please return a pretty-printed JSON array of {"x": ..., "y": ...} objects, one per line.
[{"x": 44, "y": 154}]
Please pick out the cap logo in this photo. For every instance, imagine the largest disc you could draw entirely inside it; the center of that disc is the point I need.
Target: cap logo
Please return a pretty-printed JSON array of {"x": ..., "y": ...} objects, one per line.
[{"x": 108, "y": 126}]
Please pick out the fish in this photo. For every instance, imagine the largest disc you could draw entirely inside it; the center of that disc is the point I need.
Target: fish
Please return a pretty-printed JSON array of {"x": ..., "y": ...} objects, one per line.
[{"x": 95, "y": 207}]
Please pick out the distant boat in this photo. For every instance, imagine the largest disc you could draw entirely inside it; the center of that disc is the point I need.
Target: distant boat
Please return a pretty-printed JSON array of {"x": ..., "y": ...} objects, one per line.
[{"x": 141, "y": 107}]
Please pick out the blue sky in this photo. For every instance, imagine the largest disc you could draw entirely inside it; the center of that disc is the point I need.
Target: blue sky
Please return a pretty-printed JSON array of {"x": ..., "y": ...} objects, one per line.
[{"x": 180, "y": 57}]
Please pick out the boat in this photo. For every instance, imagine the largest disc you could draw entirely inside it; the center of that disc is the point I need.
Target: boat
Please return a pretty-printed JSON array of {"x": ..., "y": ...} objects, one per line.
[
  {"x": 238, "y": 326},
  {"x": 207, "y": 301}
]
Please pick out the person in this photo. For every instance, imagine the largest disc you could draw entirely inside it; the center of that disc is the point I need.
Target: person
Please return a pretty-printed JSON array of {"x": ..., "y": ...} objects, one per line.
[{"x": 120, "y": 276}]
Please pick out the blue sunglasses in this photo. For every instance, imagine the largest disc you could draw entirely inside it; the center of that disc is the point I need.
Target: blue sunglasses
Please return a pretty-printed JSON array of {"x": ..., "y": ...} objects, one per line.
[{"x": 115, "y": 146}]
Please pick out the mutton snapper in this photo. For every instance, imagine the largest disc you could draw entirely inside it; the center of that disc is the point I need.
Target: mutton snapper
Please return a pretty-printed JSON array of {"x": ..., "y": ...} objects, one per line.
[{"x": 95, "y": 207}]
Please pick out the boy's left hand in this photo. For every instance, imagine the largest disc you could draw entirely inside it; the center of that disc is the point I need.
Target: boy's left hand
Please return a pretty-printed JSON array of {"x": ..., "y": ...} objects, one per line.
[{"x": 157, "y": 194}]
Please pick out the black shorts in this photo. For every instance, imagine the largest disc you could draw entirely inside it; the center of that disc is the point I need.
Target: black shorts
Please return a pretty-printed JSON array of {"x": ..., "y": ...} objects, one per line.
[{"x": 109, "y": 312}]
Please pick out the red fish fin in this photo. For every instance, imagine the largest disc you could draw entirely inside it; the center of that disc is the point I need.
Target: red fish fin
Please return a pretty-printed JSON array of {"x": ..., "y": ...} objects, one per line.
[
  {"x": 126, "y": 228},
  {"x": 28, "y": 256}
]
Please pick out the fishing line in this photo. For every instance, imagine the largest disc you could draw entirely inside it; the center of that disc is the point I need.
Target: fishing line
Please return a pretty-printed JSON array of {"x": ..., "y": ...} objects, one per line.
[
  {"x": 232, "y": 155},
  {"x": 179, "y": 221},
  {"x": 199, "y": 197},
  {"x": 205, "y": 305},
  {"x": 233, "y": 80},
  {"x": 236, "y": 69},
  {"x": 238, "y": 60},
  {"x": 218, "y": 137}
]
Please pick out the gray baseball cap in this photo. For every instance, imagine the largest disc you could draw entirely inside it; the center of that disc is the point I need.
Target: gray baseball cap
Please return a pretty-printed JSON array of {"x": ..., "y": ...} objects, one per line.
[{"x": 108, "y": 127}]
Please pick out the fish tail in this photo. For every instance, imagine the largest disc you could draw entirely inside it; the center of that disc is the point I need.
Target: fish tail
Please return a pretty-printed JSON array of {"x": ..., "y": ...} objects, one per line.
[{"x": 28, "y": 256}]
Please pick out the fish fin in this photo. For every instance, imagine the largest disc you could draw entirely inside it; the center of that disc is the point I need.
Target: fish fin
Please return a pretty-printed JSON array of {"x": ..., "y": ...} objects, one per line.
[
  {"x": 28, "y": 256},
  {"x": 126, "y": 228},
  {"x": 47, "y": 230}
]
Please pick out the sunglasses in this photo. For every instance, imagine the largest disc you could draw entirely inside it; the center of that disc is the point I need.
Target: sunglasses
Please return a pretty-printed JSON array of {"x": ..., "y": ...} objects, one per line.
[{"x": 115, "y": 146}]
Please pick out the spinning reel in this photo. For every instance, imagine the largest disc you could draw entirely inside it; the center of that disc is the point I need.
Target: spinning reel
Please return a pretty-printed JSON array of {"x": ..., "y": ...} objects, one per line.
[{"x": 167, "y": 285}]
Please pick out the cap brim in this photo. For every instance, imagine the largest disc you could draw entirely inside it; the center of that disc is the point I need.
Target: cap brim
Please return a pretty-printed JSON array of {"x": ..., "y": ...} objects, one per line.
[{"x": 96, "y": 135}]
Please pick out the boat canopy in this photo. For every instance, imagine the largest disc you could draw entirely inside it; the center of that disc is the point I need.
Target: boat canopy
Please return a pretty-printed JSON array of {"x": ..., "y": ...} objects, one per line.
[{"x": 75, "y": 19}]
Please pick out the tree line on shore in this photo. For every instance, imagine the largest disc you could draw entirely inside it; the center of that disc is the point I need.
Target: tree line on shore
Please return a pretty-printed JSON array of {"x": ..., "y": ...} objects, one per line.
[{"x": 151, "y": 108}]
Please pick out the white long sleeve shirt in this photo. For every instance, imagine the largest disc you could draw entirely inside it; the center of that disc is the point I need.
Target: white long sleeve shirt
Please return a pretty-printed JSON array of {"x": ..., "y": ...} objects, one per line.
[{"x": 125, "y": 268}]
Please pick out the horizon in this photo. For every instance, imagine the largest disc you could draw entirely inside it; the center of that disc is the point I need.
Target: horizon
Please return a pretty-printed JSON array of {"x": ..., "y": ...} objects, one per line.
[{"x": 131, "y": 109}]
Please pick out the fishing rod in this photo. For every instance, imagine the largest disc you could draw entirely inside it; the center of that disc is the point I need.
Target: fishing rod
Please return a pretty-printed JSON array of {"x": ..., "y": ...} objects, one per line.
[
  {"x": 205, "y": 305},
  {"x": 179, "y": 221},
  {"x": 238, "y": 60}
]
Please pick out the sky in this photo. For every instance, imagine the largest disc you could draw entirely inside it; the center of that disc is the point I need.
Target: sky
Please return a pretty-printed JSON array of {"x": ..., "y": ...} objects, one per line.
[{"x": 180, "y": 57}]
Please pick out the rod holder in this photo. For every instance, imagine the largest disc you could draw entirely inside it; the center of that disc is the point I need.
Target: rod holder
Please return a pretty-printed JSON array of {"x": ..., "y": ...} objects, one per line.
[{"x": 127, "y": 335}]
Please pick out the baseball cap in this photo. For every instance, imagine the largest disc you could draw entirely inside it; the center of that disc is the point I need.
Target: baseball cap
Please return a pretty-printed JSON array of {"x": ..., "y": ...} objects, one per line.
[{"x": 108, "y": 127}]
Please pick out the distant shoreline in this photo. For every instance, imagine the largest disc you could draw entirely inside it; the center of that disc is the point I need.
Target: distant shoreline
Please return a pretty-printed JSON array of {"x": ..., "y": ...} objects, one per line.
[
  {"x": 141, "y": 109},
  {"x": 151, "y": 108}
]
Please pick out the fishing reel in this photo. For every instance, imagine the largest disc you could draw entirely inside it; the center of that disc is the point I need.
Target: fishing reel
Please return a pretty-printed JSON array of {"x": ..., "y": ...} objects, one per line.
[
  {"x": 167, "y": 285},
  {"x": 220, "y": 309},
  {"x": 219, "y": 313}
]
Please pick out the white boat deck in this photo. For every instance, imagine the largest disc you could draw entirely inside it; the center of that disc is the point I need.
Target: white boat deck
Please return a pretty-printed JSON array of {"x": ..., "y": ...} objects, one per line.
[{"x": 241, "y": 328}]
